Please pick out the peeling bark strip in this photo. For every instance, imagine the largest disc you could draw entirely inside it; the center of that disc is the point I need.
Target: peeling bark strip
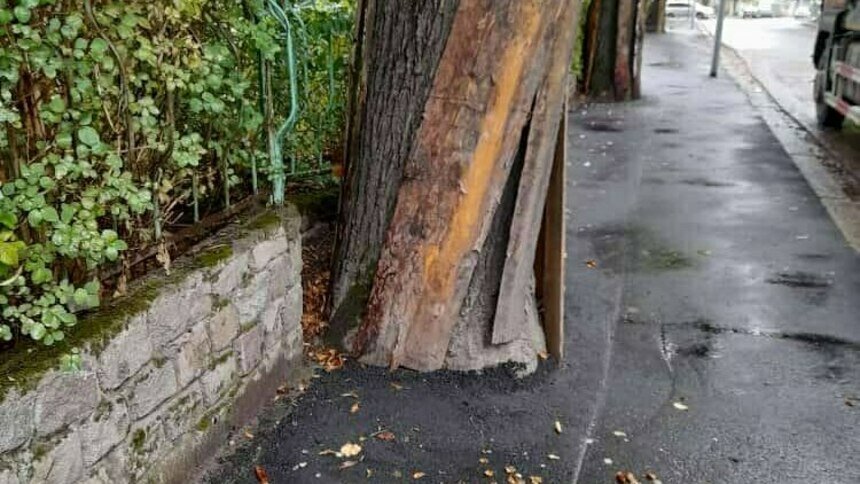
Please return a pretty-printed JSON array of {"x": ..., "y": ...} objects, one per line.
[{"x": 499, "y": 85}]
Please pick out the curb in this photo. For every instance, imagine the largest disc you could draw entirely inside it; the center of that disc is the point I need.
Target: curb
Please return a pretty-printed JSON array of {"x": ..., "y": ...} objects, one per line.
[{"x": 810, "y": 156}]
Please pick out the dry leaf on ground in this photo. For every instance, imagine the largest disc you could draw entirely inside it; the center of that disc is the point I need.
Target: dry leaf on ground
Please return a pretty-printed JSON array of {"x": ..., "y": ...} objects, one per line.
[
  {"x": 535, "y": 480},
  {"x": 619, "y": 433},
  {"x": 418, "y": 475},
  {"x": 680, "y": 406},
  {"x": 354, "y": 408},
  {"x": 350, "y": 450},
  {"x": 591, "y": 264},
  {"x": 347, "y": 464},
  {"x": 624, "y": 477},
  {"x": 510, "y": 470},
  {"x": 489, "y": 473},
  {"x": 553, "y": 457},
  {"x": 484, "y": 460},
  {"x": 385, "y": 435},
  {"x": 262, "y": 477},
  {"x": 396, "y": 386},
  {"x": 557, "y": 427}
]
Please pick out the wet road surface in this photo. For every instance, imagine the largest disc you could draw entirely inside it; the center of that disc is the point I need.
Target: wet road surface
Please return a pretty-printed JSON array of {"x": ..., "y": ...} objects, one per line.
[{"x": 737, "y": 354}]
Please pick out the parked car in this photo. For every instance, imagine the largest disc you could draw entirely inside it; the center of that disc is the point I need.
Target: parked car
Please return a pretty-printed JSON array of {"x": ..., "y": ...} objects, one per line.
[
  {"x": 757, "y": 11},
  {"x": 682, "y": 9}
]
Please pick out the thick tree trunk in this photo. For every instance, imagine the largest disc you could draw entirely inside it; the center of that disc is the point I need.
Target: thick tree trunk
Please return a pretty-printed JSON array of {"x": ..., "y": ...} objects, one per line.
[
  {"x": 656, "y": 20},
  {"x": 452, "y": 142},
  {"x": 612, "y": 49}
]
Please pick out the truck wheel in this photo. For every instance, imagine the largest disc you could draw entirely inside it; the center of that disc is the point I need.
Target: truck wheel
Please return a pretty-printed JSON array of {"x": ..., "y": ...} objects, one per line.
[{"x": 827, "y": 116}]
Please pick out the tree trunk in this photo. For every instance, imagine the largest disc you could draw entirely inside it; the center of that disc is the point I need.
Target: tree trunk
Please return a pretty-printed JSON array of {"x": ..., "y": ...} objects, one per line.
[
  {"x": 452, "y": 140},
  {"x": 612, "y": 49},
  {"x": 656, "y": 20}
]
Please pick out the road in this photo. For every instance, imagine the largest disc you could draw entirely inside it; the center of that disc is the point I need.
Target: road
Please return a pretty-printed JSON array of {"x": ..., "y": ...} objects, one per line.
[{"x": 778, "y": 52}]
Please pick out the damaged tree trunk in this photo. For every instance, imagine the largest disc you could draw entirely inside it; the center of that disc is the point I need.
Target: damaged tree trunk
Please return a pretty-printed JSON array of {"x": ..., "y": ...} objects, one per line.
[
  {"x": 656, "y": 20},
  {"x": 453, "y": 139},
  {"x": 612, "y": 49}
]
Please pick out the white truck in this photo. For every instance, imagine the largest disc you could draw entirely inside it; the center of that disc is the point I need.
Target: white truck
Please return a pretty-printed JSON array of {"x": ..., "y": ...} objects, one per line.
[{"x": 837, "y": 60}]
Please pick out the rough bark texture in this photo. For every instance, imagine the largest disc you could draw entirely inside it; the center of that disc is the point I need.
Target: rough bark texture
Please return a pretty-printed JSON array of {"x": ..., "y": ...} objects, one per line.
[
  {"x": 399, "y": 43},
  {"x": 459, "y": 187},
  {"x": 656, "y": 19},
  {"x": 612, "y": 48}
]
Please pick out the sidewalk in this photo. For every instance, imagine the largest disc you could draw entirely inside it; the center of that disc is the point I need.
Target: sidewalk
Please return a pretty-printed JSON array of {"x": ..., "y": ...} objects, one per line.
[
  {"x": 739, "y": 303},
  {"x": 737, "y": 358}
]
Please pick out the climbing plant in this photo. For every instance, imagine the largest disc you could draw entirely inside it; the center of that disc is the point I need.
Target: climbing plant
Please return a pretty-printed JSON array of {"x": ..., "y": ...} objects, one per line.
[{"x": 122, "y": 119}]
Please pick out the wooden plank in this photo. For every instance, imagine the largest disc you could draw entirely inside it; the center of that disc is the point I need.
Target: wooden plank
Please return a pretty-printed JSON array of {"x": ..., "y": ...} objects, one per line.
[{"x": 552, "y": 257}]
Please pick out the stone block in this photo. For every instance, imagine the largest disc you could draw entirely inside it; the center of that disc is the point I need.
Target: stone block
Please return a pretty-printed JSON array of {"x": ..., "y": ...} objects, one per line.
[
  {"x": 267, "y": 250},
  {"x": 192, "y": 356},
  {"x": 64, "y": 398},
  {"x": 219, "y": 379},
  {"x": 175, "y": 311},
  {"x": 126, "y": 353},
  {"x": 152, "y": 386},
  {"x": 224, "y": 327},
  {"x": 231, "y": 275},
  {"x": 282, "y": 276},
  {"x": 61, "y": 465},
  {"x": 107, "y": 427},
  {"x": 8, "y": 476},
  {"x": 249, "y": 347},
  {"x": 252, "y": 297},
  {"x": 16, "y": 421}
]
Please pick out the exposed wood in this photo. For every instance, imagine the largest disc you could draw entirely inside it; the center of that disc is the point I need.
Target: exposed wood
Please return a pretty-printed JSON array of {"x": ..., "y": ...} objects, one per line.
[
  {"x": 433, "y": 173},
  {"x": 611, "y": 45},
  {"x": 550, "y": 261}
]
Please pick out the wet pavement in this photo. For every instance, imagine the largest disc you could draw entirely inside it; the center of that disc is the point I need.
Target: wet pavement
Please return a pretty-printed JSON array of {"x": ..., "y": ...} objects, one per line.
[
  {"x": 737, "y": 356},
  {"x": 720, "y": 285}
]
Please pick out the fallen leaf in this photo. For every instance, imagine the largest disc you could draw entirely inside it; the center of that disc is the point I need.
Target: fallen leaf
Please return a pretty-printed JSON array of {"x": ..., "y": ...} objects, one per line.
[
  {"x": 350, "y": 450},
  {"x": 418, "y": 475},
  {"x": 624, "y": 477},
  {"x": 283, "y": 389},
  {"x": 651, "y": 476},
  {"x": 369, "y": 472},
  {"x": 535, "y": 480},
  {"x": 489, "y": 473},
  {"x": 385, "y": 435},
  {"x": 619, "y": 433},
  {"x": 248, "y": 434},
  {"x": 553, "y": 457},
  {"x": 557, "y": 427},
  {"x": 680, "y": 406},
  {"x": 607, "y": 461},
  {"x": 354, "y": 408},
  {"x": 849, "y": 402},
  {"x": 347, "y": 464},
  {"x": 591, "y": 264},
  {"x": 543, "y": 355},
  {"x": 484, "y": 460},
  {"x": 330, "y": 452},
  {"x": 350, "y": 395},
  {"x": 510, "y": 470},
  {"x": 262, "y": 477},
  {"x": 396, "y": 386}
]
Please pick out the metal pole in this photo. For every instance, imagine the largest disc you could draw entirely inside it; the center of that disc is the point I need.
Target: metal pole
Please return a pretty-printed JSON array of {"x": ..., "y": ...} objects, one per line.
[
  {"x": 692, "y": 14},
  {"x": 718, "y": 39}
]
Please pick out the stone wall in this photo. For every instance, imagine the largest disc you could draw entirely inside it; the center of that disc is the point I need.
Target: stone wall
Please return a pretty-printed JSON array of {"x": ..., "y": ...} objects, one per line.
[{"x": 180, "y": 360}]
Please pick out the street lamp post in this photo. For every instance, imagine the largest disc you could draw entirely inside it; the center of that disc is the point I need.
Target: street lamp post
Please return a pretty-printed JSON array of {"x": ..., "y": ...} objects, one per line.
[
  {"x": 718, "y": 38},
  {"x": 692, "y": 14}
]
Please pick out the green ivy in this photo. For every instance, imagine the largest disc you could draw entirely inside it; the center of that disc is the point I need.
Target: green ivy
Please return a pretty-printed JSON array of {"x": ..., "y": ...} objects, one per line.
[{"x": 112, "y": 109}]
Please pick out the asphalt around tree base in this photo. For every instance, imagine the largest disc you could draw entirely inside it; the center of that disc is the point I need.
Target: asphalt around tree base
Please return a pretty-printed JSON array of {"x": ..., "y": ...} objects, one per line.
[{"x": 716, "y": 340}]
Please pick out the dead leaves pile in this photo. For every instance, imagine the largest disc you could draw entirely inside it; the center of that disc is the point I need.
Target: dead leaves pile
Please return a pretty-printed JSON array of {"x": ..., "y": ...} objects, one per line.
[
  {"x": 316, "y": 255},
  {"x": 328, "y": 358}
]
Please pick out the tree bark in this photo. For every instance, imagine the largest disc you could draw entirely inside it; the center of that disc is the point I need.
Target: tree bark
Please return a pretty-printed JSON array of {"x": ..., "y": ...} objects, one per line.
[
  {"x": 452, "y": 141},
  {"x": 612, "y": 49},
  {"x": 656, "y": 20}
]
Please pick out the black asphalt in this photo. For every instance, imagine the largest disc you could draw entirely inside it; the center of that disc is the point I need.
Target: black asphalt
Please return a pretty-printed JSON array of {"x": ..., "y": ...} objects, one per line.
[{"x": 721, "y": 285}]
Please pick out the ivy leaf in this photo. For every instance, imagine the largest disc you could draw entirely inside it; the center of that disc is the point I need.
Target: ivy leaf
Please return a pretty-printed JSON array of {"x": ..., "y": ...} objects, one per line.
[
  {"x": 49, "y": 214},
  {"x": 89, "y": 136},
  {"x": 98, "y": 48},
  {"x": 8, "y": 220},
  {"x": 80, "y": 296},
  {"x": 67, "y": 212},
  {"x": 37, "y": 331},
  {"x": 9, "y": 252},
  {"x": 22, "y": 13},
  {"x": 5, "y": 18},
  {"x": 41, "y": 275},
  {"x": 57, "y": 105}
]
